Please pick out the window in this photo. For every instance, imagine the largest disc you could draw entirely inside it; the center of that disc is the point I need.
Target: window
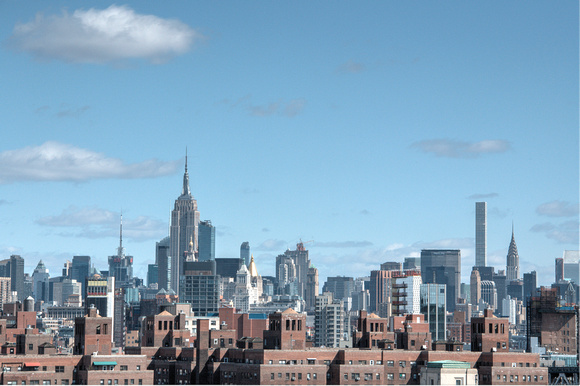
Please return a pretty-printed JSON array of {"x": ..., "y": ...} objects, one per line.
[
  {"x": 368, "y": 376},
  {"x": 279, "y": 375},
  {"x": 390, "y": 376},
  {"x": 300, "y": 375},
  {"x": 390, "y": 363},
  {"x": 402, "y": 363},
  {"x": 124, "y": 368},
  {"x": 59, "y": 369},
  {"x": 402, "y": 376},
  {"x": 109, "y": 381},
  {"x": 46, "y": 382},
  {"x": 314, "y": 375},
  {"x": 287, "y": 376},
  {"x": 138, "y": 367},
  {"x": 272, "y": 376},
  {"x": 308, "y": 376},
  {"x": 102, "y": 381},
  {"x": 458, "y": 381},
  {"x": 30, "y": 346},
  {"x": 345, "y": 376}
]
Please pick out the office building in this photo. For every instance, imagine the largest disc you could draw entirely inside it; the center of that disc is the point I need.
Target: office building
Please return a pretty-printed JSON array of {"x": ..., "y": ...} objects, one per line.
[
  {"x": 489, "y": 294},
  {"x": 292, "y": 275},
  {"x": 5, "y": 291},
  {"x": 100, "y": 294},
  {"x": 63, "y": 290},
  {"x": 481, "y": 234},
  {"x": 391, "y": 266},
  {"x": 433, "y": 306},
  {"x": 245, "y": 252},
  {"x": 443, "y": 266},
  {"x": 475, "y": 287},
  {"x": 406, "y": 292},
  {"x": 40, "y": 284},
  {"x": 200, "y": 287},
  {"x": 121, "y": 266},
  {"x": 512, "y": 261},
  {"x": 228, "y": 267},
  {"x": 341, "y": 287},
  {"x": 152, "y": 274},
  {"x": 15, "y": 269},
  {"x": 80, "y": 270},
  {"x": 412, "y": 263},
  {"x": 530, "y": 284},
  {"x": 206, "y": 241},
  {"x": 164, "y": 266},
  {"x": 381, "y": 288},
  {"x": 184, "y": 227},
  {"x": 571, "y": 266}
]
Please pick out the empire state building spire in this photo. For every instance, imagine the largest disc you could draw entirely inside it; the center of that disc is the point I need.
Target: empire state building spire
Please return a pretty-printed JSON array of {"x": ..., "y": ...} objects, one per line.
[
  {"x": 185, "y": 191},
  {"x": 121, "y": 250}
]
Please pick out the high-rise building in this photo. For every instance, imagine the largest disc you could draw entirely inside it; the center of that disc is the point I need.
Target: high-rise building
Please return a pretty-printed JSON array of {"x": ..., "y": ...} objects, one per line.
[
  {"x": 331, "y": 324},
  {"x": 475, "y": 287},
  {"x": 100, "y": 294},
  {"x": 200, "y": 287},
  {"x": 571, "y": 262},
  {"x": 164, "y": 266},
  {"x": 381, "y": 292},
  {"x": 80, "y": 269},
  {"x": 512, "y": 261},
  {"x": 406, "y": 293},
  {"x": 152, "y": 274},
  {"x": 443, "y": 266},
  {"x": 489, "y": 293},
  {"x": 17, "y": 276},
  {"x": 292, "y": 270},
  {"x": 5, "y": 291},
  {"x": 480, "y": 234},
  {"x": 433, "y": 306},
  {"x": 312, "y": 288},
  {"x": 184, "y": 227},
  {"x": 341, "y": 287},
  {"x": 559, "y": 269},
  {"x": 391, "y": 266},
  {"x": 121, "y": 266},
  {"x": 530, "y": 284},
  {"x": 40, "y": 285},
  {"x": 245, "y": 252},
  {"x": 206, "y": 241}
]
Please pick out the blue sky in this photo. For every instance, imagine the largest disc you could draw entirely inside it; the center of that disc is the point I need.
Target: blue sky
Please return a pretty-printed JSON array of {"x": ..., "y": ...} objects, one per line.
[{"x": 366, "y": 129}]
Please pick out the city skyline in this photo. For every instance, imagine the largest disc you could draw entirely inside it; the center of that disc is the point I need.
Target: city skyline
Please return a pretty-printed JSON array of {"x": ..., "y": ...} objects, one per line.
[{"x": 368, "y": 143}]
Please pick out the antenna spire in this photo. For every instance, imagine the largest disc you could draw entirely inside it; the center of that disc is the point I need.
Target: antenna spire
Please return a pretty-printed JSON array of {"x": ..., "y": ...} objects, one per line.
[{"x": 121, "y": 251}]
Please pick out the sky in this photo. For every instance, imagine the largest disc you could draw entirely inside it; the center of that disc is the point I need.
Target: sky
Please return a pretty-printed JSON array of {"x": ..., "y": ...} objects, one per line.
[{"x": 366, "y": 130}]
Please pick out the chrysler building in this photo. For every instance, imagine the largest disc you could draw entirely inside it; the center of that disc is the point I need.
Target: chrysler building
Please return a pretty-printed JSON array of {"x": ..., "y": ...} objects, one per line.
[{"x": 184, "y": 227}]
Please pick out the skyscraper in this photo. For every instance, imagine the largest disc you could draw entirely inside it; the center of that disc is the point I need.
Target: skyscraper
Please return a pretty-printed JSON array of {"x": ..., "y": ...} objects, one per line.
[
  {"x": 292, "y": 271},
  {"x": 17, "y": 276},
  {"x": 40, "y": 285},
  {"x": 206, "y": 241},
  {"x": 245, "y": 252},
  {"x": 443, "y": 266},
  {"x": 184, "y": 227},
  {"x": 80, "y": 268},
  {"x": 121, "y": 266},
  {"x": 480, "y": 234},
  {"x": 512, "y": 261},
  {"x": 433, "y": 299},
  {"x": 163, "y": 261}
]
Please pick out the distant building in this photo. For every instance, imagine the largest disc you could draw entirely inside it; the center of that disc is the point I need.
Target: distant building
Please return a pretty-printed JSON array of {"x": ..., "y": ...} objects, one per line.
[
  {"x": 391, "y": 266},
  {"x": 512, "y": 261},
  {"x": 481, "y": 234},
  {"x": 443, "y": 266},
  {"x": 571, "y": 266},
  {"x": 341, "y": 287},
  {"x": 121, "y": 266},
  {"x": 164, "y": 264},
  {"x": 489, "y": 293},
  {"x": 245, "y": 252},
  {"x": 433, "y": 306},
  {"x": 206, "y": 241},
  {"x": 200, "y": 287},
  {"x": 80, "y": 270},
  {"x": 292, "y": 271},
  {"x": 228, "y": 267},
  {"x": 412, "y": 263},
  {"x": 40, "y": 278},
  {"x": 152, "y": 274},
  {"x": 17, "y": 276},
  {"x": 406, "y": 294},
  {"x": 100, "y": 294},
  {"x": 331, "y": 324},
  {"x": 184, "y": 227},
  {"x": 530, "y": 284}
]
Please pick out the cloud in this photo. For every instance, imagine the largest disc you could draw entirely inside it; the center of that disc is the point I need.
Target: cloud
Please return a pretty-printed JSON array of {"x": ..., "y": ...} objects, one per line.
[
  {"x": 564, "y": 233},
  {"x": 294, "y": 107},
  {"x": 54, "y": 161},
  {"x": 558, "y": 209},
  {"x": 68, "y": 112},
  {"x": 364, "y": 212},
  {"x": 499, "y": 213},
  {"x": 351, "y": 67},
  {"x": 460, "y": 149},
  {"x": 273, "y": 245},
  {"x": 479, "y": 196},
  {"x": 101, "y": 36},
  {"x": 342, "y": 244},
  {"x": 3, "y": 202},
  {"x": 96, "y": 223}
]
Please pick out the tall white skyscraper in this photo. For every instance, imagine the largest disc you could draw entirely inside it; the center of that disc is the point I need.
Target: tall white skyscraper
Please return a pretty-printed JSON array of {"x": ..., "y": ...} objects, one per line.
[
  {"x": 481, "y": 234},
  {"x": 184, "y": 228}
]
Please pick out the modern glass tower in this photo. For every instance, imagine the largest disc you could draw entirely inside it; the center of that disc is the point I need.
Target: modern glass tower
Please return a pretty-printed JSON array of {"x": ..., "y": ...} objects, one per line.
[
  {"x": 433, "y": 306},
  {"x": 206, "y": 241},
  {"x": 184, "y": 227},
  {"x": 480, "y": 234},
  {"x": 245, "y": 252},
  {"x": 443, "y": 266}
]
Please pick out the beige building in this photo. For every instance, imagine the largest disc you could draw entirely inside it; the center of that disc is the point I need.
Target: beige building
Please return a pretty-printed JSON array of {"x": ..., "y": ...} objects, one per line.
[{"x": 448, "y": 372}]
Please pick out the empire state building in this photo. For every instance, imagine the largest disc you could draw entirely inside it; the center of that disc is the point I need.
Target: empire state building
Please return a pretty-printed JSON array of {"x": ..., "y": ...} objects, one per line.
[{"x": 184, "y": 227}]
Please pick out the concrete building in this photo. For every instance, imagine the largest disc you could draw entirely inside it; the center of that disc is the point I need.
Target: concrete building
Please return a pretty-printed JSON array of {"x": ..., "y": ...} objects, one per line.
[
  {"x": 245, "y": 252},
  {"x": 331, "y": 324},
  {"x": 489, "y": 293},
  {"x": 448, "y": 372},
  {"x": 341, "y": 287},
  {"x": 200, "y": 287},
  {"x": 481, "y": 234},
  {"x": 164, "y": 264},
  {"x": 183, "y": 229},
  {"x": 293, "y": 273},
  {"x": 443, "y": 266}
]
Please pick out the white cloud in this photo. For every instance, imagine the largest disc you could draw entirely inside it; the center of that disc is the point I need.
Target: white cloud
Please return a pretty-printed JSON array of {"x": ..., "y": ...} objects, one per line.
[
  {"x": 558, "y": 209},
  {"x": 460, "y": 149},
  {"x": 54, "y": 161},
  {"x": 274, "y": 245},
  {"x": 96, "y": 223},
  {"x": 564, "y": 233},
  {"x": 101, "y": 36}
]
